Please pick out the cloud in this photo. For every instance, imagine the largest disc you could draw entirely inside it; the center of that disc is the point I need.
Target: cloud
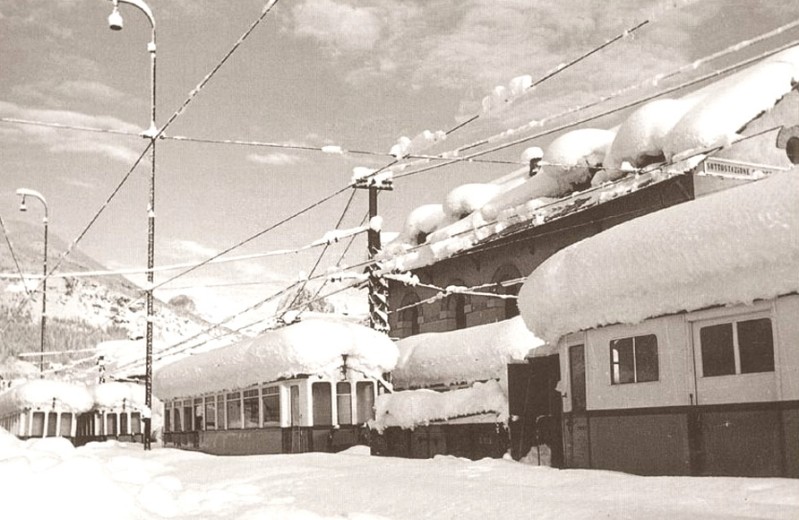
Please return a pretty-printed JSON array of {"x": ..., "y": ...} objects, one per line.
[
  {"x": 194, "y": 248},
  {"x": 90, "y": 89},
  {"x": 337, "y": 25},
  {"x": 276, "y": 159},
  {"x": 66, "y": 141}
]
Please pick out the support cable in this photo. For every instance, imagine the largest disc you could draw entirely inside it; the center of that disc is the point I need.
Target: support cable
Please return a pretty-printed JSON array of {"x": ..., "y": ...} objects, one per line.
[
  {"x": 607, "y": 112},
  {"x": 80, "y": 236},
  {"x": 451, "y": 154}
]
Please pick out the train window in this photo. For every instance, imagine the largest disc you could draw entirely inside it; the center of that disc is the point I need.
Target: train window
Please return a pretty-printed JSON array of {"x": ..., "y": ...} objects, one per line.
[
  {"x": 198, "y": 410},
  {"x": 177, "y": 427},
  {"x": 221, "y": 413},
  {"x": 37, "y": 424},
  {"x": 344, "y": 403},
  {"x": 738, "y": 347},
  {"x": 271, "y": 404},
  {"x": 233, "y": 406},
  {"x": 66, "y": 425},
  {"x": 210, "y": 413},
  {"x": 756, "y": 345},
  {"x": 322, "y": 405},
  {"x": 718, "y": 352},
  {"x": 365, "y": 397},
  {"x": 52, "y": 424},
  {"x": 111, "y": 424},
  {"x": 577, "y": 377},
  {"x": 188, "y": 416},
  {"x": 135, "y": 423},
  {"x": 634, "y": 359},
  {"x": 251, "y": 412}
]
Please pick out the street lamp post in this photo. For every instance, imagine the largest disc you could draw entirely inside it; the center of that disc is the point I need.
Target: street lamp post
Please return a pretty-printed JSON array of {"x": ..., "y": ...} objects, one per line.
[
  {"x": 24, "y": 192},
  {"x": 115, "y": 22}
]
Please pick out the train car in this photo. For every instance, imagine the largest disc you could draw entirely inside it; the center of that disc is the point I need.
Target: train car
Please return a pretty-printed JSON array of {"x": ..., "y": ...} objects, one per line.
[
  {"x": 452, "y": 393},
  {"x": 678, "y": 337},
  {"x": 309, "y": 386},
  {"x": 42, "y": 408},
  {"x": 116, "y": 413}
]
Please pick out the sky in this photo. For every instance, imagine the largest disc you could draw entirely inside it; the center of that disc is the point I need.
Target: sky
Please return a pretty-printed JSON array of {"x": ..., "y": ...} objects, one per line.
[{"x": 315, "y": 72}]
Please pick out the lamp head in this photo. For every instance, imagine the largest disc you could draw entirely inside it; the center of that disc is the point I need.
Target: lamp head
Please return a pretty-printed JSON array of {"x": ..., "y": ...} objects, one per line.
[
  {"x": 22, "y": 207},
  {"x": 115, "y": 21}
]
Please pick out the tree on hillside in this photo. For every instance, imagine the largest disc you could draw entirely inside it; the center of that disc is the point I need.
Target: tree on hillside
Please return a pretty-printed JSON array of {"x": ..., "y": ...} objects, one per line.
[{"x": 183, "y": 302}]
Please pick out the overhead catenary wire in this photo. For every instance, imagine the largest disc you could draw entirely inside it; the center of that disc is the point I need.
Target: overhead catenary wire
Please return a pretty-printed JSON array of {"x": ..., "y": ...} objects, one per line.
[
  {"x": 196, "y": 90},
  {"x": 654, "y": 80},
  {"x": 63, "y": 126},
  {"x": 321, "y": 255},
  {"x": 80, "y": 236},
  {"x": 607, "y": 112},
  {"x": 324, "y": 241},
  {"x": 469, "y": 290}
]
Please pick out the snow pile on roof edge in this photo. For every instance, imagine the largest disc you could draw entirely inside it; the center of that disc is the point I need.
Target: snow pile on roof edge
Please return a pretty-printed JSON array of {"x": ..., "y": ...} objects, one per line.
[
  {"x": 731, "y": 247},
  {"x": 312, "y": 346}
]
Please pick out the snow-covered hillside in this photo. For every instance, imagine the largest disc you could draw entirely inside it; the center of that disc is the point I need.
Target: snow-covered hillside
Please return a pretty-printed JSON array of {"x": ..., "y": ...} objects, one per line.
[{"x": 82, "y": 311}]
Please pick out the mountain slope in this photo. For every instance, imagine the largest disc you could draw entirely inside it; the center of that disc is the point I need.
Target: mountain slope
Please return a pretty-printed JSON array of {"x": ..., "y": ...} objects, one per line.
[{"x": 81, "y": 311}]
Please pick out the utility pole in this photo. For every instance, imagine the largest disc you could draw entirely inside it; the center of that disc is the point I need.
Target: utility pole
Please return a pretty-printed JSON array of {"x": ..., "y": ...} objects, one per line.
[{"x": 378, "y": 288}]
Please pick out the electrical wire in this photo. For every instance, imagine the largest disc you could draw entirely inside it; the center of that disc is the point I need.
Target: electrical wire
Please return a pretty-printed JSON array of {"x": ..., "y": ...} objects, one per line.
[
  {"x": 737, "y": 47},
  {"x": 80, "y": 236},
  {"x": 608, "y": 112}
]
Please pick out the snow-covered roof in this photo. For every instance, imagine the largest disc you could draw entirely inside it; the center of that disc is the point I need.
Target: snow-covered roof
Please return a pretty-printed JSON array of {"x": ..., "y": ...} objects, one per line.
[
  {"x": 731, "y": 247},
  {"x": 412, "y": 408},
  {"x": 312, "y": 346},
  {"x": 43, "y": 393},
  {"x": 462, "y": 356},
  {"x": 661, "y": 130}
]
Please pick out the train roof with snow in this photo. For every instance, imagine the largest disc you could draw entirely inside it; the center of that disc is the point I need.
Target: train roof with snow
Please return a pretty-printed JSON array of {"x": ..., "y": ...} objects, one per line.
[
  {"x": 315, "y": 346},
  {"x": 734, "y": 247}
]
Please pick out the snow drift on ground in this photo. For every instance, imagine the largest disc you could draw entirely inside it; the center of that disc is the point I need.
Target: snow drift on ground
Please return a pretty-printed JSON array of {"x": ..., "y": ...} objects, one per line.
[
  {"x": 312, "y": 346},
  {"x": 48, "y": 478},
  {"x": 731, "y": 247},
  {"x": 462, "y": 356}
]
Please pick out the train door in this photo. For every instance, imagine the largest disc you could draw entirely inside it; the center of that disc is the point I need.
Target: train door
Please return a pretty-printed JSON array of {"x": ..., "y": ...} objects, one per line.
[
  {"x": 576, "y": 434},
  {"x": 535, "y": 400},
  {"x": 734, "y": 365},
  {"x": 298, "y": 442}
]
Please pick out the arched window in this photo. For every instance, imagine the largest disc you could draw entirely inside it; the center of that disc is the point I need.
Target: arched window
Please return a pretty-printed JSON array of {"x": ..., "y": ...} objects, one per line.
[
  {"x": 456, "y": 304},
  {"x": 504, "y": 273},
  {"x": 410, "y": 317}
]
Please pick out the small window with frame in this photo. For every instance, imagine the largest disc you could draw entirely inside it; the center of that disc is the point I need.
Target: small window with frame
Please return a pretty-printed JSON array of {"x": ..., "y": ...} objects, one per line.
[
  {"x": 634, "y": 360},
  {"x": 737, "y": 347}
]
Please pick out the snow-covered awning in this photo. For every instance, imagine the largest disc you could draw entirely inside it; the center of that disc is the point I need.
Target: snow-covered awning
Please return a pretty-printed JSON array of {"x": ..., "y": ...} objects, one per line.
[
  {"x": 412, "y": 408},
  {"x": 43, "y": 393},
  {"x": 732, "y": 247},
  {"x": 312, "y": 346},
  {"x": 462, "y": 356}
]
